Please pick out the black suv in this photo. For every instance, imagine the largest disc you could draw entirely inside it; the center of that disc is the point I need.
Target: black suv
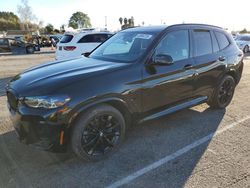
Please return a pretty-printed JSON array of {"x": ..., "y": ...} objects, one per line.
[{"x": 137, "y": 75}]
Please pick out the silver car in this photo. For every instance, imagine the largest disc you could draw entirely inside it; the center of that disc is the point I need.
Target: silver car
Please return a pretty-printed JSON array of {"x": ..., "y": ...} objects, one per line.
[{"x": 243, "y": 42}]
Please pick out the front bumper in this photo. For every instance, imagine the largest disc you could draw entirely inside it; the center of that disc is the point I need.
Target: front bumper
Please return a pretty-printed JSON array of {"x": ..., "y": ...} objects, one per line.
[{"x": 34, "y": 127}]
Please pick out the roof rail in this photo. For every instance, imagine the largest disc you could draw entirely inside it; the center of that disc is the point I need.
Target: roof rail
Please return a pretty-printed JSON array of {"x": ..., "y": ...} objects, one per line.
[{"x": 197, "y": 24}]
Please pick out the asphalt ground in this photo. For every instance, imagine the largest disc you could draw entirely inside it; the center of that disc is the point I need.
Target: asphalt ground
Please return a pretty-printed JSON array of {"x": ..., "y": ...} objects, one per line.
[{"x": 196, "y": 147}]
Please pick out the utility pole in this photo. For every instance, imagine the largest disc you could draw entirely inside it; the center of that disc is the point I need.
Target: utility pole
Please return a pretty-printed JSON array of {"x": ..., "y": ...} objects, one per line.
[{"x": 106, "y": 23}]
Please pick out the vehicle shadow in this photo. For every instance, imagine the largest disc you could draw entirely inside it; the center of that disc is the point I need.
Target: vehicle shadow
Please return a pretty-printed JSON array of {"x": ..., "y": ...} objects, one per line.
[
  {"x": 3, "y": 82},
  {"x": 146, "y": 143}
]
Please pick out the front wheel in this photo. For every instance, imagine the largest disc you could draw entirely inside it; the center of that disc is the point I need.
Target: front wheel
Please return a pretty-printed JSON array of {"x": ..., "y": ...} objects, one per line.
[
  {"x": 97, "y": 133},
  {"x": 223, "y": 94}
]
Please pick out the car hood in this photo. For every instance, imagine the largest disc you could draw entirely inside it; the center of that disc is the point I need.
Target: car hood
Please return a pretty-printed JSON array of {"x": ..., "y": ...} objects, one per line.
[{"x": 48, "y": 77}]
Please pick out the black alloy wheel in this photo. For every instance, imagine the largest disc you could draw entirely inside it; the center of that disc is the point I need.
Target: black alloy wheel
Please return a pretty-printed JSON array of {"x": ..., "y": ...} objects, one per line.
[
  {"x": 101, "y": 134},
  {"x": 30, "y": 50},
  {"x": 224, "y": 93},
  {"x": 98, "y": 132},
  {"x": 246, "y": 49}
]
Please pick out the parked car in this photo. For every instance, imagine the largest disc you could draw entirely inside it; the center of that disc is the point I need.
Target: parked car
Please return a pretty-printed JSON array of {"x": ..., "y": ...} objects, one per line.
[
  {"x": 33, "y": 40},
  {"x": 243, "y": 42},
  {"x": 137, "y": 75},
  {"x": 16, "y": 46},
  {"x": 73, "y": 45}
]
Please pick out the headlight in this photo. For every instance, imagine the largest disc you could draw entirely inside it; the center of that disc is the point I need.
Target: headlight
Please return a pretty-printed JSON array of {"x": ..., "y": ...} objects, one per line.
[{"x": 48, "y": 102}]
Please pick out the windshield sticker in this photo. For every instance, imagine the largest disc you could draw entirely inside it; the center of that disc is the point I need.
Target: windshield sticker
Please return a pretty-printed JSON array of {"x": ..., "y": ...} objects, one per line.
[{"x": 143, "y": 36}]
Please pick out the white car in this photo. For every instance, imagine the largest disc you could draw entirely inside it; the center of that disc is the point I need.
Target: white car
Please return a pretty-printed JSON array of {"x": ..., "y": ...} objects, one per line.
[
  {"x": 243, "y": 42},
  {"x": 73, "y": 45}
]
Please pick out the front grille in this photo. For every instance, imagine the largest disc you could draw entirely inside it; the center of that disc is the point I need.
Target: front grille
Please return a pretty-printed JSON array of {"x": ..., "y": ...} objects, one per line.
[{"x": 13, "y": 101}]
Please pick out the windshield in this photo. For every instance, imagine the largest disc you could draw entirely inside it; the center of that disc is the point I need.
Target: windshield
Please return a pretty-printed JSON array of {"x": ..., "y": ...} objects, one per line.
[{"x": 123, "y": 47}]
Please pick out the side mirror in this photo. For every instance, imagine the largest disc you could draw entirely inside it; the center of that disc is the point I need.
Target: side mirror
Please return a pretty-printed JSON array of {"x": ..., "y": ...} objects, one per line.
[
  {"x": 86, "y": 54},
  {"x": 163, "y": 59}
]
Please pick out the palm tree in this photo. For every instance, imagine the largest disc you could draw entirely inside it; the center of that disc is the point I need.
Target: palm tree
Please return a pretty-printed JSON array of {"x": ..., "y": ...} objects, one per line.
[
  {"x": 125, "y": 21},
  {"x": 120, "y": 20},
  {"x": 132, "y": 21}
]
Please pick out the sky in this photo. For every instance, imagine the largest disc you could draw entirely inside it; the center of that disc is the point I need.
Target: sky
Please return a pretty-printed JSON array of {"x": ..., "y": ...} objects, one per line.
[{"x": 233, "y": 15}]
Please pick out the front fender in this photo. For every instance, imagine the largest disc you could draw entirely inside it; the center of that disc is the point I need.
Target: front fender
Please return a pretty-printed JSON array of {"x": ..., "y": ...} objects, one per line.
[{"x": 93, "y": 102}]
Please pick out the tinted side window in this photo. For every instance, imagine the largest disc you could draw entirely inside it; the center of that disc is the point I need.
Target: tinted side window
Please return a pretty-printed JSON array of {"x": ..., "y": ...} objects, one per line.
[
  {"x": 202, "y": 42},
  {"x": 222, "y": 40},
  {"x": 94, "y": 38},
  {"x": 175, "y": 44},
  {"x": 4, "y": 41}
]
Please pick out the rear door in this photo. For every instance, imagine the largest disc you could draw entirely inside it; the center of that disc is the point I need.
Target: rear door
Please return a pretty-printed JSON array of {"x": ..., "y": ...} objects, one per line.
[
  {"x": 17, "y": 47},
  {"x": 209, "y": 61}
]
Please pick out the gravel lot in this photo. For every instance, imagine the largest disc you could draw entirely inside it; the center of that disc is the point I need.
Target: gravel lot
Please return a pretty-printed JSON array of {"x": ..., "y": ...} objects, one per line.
[{"x": 196, "y": 147}]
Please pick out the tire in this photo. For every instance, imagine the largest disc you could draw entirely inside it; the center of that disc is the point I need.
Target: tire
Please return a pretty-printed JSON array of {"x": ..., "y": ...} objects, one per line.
[
  {"x": 98, "y": 133},
  {"x": 246, "y": 49},
  {"x": 223, "y": 94},
  {"x": 30, "y": 50}
]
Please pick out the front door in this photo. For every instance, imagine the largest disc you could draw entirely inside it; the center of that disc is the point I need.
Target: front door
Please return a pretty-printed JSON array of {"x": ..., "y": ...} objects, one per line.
[{"x": 165, "y": 85}]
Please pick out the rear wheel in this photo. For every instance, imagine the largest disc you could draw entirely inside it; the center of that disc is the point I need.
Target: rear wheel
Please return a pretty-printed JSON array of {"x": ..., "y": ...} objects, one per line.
[
  {"x": 224, "y": 93},
  {"x": 30, "y": 50},
  {"x": 98, "y": 133},
  {"x": 246, "y": 49}
]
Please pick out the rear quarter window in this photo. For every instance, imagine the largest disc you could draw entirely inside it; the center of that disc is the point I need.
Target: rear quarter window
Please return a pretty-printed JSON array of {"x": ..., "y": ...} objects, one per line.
[
  {"x": 222, "y": 40},
  {"x": 66, "y": 38}
]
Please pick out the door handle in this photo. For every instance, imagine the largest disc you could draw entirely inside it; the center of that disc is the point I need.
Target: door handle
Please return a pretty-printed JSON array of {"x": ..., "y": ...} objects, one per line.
[
  {"x": 188, "y": 66},
  {"x": 222, "y": 58}
]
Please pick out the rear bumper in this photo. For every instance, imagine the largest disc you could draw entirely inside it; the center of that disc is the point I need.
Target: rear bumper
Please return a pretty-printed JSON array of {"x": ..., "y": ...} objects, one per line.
[{"x": 38, "y": 132}]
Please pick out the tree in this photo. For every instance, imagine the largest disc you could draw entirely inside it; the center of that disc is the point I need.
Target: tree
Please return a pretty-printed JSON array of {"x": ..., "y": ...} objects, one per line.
[
  {"x": 49, "y": 28},
  {"x": 62, "y": 28},
  {"x": 25, "y": 13},
  {"x": 8, "y": 21},
  {"x": 56, "y": 31},
  {"x": 79, "y": 20},
  {"x": 243, "y": 31},
  {"x": 132, "y": 21},
  {"x": 127, "y": 22},
  {"x": 120, "y": 20}
]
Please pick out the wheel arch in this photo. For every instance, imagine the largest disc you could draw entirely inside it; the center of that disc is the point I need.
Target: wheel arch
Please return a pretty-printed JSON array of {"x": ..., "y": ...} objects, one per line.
[
  {"x": 117, "y": 103},
  {"x": 29, "y": 46},
  {"x": 236, "y": 74}
]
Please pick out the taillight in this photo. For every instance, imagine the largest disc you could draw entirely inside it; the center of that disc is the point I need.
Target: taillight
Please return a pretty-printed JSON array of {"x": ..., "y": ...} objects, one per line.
[{"x": 69, "y": 48}]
